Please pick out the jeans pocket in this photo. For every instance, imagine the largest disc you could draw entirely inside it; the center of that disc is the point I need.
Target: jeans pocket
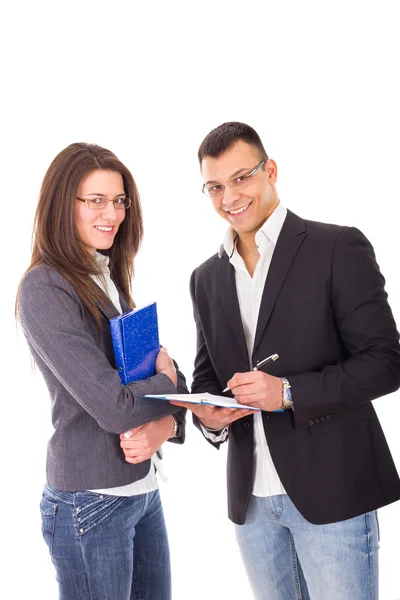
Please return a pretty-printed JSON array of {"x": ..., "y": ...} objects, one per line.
[
  {"x": 48, "y": 514},
  {"x": 92, "y": 509}
]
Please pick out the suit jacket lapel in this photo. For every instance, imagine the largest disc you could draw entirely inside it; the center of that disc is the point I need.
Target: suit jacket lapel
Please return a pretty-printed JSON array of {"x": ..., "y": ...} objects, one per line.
[
  {"x": 123, "y": 303},
  {"x": 227, "y": 290},
  {"x": 109, "y": 310},
  {"x": 291, "y": 237}
]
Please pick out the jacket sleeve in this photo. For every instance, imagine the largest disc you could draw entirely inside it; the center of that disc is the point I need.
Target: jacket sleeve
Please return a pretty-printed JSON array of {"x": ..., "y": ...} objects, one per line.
[
  {"x": 181, "y": 412},
  {"x": 204, "y": 376},
  {"x": 51, "y": 317},
  {"x": 366, "y": 328}
]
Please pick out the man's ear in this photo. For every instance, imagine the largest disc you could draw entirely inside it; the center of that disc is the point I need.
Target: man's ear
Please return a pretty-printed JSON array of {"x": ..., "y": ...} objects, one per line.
[{"x": 272, "y": 170}]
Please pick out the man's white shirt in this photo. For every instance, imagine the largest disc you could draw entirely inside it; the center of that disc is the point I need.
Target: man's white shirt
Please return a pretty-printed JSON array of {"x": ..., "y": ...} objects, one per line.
[{"x": 249, "y": 291}]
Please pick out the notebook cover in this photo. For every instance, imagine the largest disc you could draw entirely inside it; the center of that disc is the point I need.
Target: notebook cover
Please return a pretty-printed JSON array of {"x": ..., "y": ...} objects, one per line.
[
  {"x": 136, "y": 343},
  {"x": 202, "y": 398}
]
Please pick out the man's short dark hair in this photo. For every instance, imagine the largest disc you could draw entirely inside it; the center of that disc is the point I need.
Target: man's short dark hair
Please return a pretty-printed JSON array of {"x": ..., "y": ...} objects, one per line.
[{"x": 224, "y": 136}]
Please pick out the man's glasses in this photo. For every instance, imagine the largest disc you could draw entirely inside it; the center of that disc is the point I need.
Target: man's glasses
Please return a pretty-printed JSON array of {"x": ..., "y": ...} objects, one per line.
[
  {"x": 216, "y": 189},
  {"x": 99, "y": 203}
]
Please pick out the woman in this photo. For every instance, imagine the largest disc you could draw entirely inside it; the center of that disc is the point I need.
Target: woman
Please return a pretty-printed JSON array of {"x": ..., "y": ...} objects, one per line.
[{"x": 101, "y": 512}]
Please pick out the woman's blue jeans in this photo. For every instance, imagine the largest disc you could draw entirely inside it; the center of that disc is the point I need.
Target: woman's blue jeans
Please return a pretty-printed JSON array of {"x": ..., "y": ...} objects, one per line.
[{"x": 107, "y": 547}]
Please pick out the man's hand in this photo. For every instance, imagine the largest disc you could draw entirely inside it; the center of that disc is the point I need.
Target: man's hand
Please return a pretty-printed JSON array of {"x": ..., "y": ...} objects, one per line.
[
  {"x": 257, "y": 389},
  {"x": 214, "y": 417},
  {"x": 165, "y": 365},
  {"x": 141, "y": 443}
]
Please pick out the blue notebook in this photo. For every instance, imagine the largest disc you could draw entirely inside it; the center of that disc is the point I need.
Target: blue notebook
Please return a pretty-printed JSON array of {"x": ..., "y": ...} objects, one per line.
[{"x": 136, "y": 343}]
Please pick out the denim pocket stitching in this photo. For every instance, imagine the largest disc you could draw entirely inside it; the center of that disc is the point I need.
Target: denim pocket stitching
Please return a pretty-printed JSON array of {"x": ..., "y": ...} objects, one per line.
[
  {"x": 49, "y": 512},
  {"x": 48, "y": 516},
  {"x": 101, "y": 509}
]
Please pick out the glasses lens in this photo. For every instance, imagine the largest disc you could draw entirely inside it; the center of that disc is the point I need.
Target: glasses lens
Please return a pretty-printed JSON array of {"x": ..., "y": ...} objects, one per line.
[
  {"x": 97, "y": 203},
  {"x": 121, "y": 203},
  {"x": 213, "y": 190},
  {"x": 239, "y": 181}
]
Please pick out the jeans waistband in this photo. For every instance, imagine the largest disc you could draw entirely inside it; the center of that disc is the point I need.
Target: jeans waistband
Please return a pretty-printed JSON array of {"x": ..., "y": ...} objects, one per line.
[
  {"x": 70, "y": 496},
  {"x": 66, "y": 496}
]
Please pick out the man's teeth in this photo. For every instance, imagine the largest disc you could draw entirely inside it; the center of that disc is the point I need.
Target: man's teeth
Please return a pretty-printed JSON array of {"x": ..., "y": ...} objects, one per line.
[
  {"x": 239, "y": 210},
  {"x": 103, "y": 228}
]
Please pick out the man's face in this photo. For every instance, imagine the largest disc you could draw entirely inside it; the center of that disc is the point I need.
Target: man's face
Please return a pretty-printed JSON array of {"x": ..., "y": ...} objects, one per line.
[{"x": 246, "y": 208}]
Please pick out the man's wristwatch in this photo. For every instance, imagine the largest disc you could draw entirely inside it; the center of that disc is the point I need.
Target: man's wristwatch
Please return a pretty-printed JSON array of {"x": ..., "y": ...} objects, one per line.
[{"x": 287, "y": 401}]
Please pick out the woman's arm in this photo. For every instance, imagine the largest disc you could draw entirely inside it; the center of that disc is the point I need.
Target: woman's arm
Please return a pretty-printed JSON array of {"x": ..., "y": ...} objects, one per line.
[{"x": 59, "y": 334}]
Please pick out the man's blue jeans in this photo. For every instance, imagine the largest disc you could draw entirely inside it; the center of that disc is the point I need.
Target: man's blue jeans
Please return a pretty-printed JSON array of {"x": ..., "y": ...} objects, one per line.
[
  {"x": 288, "y": 558},
  {"x": 107, "y": 547}
]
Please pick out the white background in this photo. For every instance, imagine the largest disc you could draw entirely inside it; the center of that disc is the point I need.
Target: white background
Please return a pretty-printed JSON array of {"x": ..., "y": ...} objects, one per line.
[{"x": 317, "y": 80}]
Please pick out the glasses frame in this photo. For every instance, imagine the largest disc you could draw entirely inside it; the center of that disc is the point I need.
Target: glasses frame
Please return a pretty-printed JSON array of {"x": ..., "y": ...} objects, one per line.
[
  {"x": 88, "y": 201},
  {"x": 245, "y": 182}
]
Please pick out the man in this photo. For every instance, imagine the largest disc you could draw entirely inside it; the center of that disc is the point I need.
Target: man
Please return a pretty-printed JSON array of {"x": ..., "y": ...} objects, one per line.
[{"x": 307, "y": 473}]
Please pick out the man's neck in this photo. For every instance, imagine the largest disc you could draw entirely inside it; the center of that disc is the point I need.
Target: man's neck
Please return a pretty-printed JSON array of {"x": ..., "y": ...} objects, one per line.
[
  {"x": 247, "y": 247},
  {"x": 248, "y": 250}
]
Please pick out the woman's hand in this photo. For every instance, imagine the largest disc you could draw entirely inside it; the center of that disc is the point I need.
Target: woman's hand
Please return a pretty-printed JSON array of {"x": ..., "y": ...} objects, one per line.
[
  {"x": 141, "y": 443},
  {"x": 165, "y": 365}
]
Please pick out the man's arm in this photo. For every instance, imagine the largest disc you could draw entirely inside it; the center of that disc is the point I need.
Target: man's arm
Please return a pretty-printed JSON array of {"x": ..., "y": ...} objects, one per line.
[
  {"x": 210, "y": 420},
  {"x": 204, "y": 376},
  {"x": 367, "y": 330},
  {"x": 366, "y": 327}
]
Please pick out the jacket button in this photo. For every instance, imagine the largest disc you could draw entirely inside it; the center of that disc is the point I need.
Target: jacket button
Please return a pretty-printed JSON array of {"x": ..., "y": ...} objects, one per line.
[
  {"x": 246, "y": 425},
  {"x": 311, "y": 422},
  {"x": 316, "y": 420},
  {"x": 322, "y": 418},
  {"x": 328, "y": 416}
]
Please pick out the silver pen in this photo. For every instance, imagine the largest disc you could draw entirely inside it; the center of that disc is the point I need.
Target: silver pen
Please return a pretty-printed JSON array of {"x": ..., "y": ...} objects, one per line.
[{"x": 260, "y": 364}]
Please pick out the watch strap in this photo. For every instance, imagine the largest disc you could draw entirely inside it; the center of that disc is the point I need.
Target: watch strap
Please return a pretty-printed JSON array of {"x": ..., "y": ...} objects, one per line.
[{"x": 287, "y": 401}]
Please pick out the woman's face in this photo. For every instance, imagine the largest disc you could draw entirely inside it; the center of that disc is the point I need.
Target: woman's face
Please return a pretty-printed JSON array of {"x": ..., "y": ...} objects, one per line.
[{"x": 97, "y": 228}]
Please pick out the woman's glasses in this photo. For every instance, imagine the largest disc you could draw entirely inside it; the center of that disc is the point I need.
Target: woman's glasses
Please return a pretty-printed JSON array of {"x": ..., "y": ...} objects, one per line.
[{"x": 101, "y": 202}]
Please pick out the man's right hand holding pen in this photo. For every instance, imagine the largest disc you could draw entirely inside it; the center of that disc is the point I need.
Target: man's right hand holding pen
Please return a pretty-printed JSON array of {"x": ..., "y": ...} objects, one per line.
[{"x": 257, "y": 389}]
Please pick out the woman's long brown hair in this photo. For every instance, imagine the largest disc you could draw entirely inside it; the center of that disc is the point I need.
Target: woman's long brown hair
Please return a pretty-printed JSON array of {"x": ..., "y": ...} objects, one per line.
[{"x": 55, "y": 240}]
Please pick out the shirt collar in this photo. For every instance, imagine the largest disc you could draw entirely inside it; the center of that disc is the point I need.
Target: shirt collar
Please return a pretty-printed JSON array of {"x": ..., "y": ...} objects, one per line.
[
  {"x": 103, "y": 260},
  {"x": 271, "y": 230}
]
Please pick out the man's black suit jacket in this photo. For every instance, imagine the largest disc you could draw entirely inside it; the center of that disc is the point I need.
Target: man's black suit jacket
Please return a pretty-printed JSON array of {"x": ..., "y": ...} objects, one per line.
[{"x": 325, "y": 312}]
